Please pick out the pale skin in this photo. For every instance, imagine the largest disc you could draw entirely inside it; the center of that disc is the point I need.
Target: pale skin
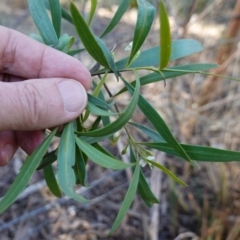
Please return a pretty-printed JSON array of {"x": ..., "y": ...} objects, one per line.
[{"x": 40, "y": 88}]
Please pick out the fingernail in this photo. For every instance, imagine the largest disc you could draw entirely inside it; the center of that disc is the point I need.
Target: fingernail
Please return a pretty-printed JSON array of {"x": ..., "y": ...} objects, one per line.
[
  {"x": 8, "y": 152},
  {"x": 73, "y": 94}
]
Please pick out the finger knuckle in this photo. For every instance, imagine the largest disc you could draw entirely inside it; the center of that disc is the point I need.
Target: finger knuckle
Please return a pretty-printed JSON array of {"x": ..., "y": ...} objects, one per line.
[{"x": 31, "y": 105}]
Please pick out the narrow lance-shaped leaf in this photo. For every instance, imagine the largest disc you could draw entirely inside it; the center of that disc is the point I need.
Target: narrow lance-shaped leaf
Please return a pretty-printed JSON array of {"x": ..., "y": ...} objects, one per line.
[
  {"x": 65, "y": 43},
  {"x": 145, "y": 19},
  {"x": 108, "y": 55},
  {"x": 199, "y": 153},
  {"x": 100, "y": 85},
  {"x": 150, "y": 57},
  {"x": 99, "y": 102},
  {"x": 92, "y": 11},
  {"x": 25, "y": 173},
  {"x": 105, "y": 120},
  {"x": 52, "y": 156},
  {"x": 103, "y": 150},
  {"x": 100, "y": 158},
  {"x": 128, "y": 199},
  {"x": 66, "y": 15},
  {"x": 145, "y": 192},
  {"x": 49, "y": 158},
  {"x": 80, "y": 168},
  {"x": 122, "y": 119},
  {"x": 165, "y": 36},
  {"x": 93, "y": 98},
  {"x": 92, "y": 140},
  {"x": 98, "y": 111},
  {"x": 162, "y": 128},
  {"x": 56, "y": 13},
  {"x": 143, "y": 188},
  {"x": 117, "y": 17},
  {"x": 155, "y": 136},
  {"x": 171, "y": 73},
  {"x": 96, "y": 123},
  {"x": 75, "y": 51},
  {"x": 169, "y": 173},
  {"x": 66, "y": 161},
  {"x": 43, "y": 23},
  {"x": 87, "y": 37},
  {"x": 51, "y": 181}
]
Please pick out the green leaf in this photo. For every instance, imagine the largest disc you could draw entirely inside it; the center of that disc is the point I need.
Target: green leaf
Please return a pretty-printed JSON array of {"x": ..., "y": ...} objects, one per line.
[
  {"x": 108, "y": 55},
  {"x": 75, "y": 52},
  {"x": 145, "y": 192},
  {"x": 52, "y": 156},
  {"x": 100, "y": 158},
  {"x": 43, "y": 23},
  {"x": 199, "y": 153},
  {"x": 143, "y": 188},
  {"x": 66, "y": 161},
  {"x": 49, "y": 158},
  {"x": 92, "y": 140},
  {"x": 99, "y": 86},
  {"x": 165, "y": 37},
  {"x": 80, "y": 168},
  {"x": 66, "y": 15},
  {"x": 122, "y": 119},
  {"x": 98, "y": 111},
  {"x": 88, "y": 39},
  {"x": 65, "y": 43},
  {"x": 96, "y": 123},
  {"x": 51, "y": 181},
  {"x": 127, "y": 200},
  {"x": 155, "y": 136},
  {"x": 169, "y": 173},
  {"x": 56, "y": 13},
  {"x": 103, "y": 150},
  {"x": 92, "y": 100},
  {"x": 25, "y": 174},
  {"x": 98, "y": 102},
  {"x": 92, "y": 11},
  {"x": 171, "y": 73},
  {"x": 64, "y": 12},
  {"x": 117, "y": 17},
  {"x": 180, "y": 48},
  {"x": 105, "y": 120},
  {"x": 174, "y": 72},
  {"x": 156, "y": 120},
  {"x": 145, "y": 19}
]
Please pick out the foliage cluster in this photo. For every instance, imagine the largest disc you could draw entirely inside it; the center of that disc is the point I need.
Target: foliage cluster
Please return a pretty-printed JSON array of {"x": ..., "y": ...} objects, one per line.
[{"x": 80, "y": 144}]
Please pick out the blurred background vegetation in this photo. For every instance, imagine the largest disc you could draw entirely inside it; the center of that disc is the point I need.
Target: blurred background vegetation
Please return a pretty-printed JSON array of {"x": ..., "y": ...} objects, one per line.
[{"x": 199, "y": 109}]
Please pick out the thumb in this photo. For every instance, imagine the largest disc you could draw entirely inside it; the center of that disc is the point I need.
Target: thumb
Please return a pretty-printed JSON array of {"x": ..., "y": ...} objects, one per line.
[{"x": 40, "y": 103}]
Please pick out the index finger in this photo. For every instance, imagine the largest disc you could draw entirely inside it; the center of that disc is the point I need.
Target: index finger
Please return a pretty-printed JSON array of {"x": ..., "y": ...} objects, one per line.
[{"x": 27, "y": 58}]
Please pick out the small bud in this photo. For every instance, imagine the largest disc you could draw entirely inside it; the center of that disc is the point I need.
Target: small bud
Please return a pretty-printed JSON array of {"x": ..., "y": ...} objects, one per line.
[
  {"x": 151, "y": 158},
  {"x": 125, "y": 150},
  {"x": 142, "y": 162},
  {"x": 129, "y": 47},
  {"x": 114, "y": 141},
  {"x": 149, "y": 153}
]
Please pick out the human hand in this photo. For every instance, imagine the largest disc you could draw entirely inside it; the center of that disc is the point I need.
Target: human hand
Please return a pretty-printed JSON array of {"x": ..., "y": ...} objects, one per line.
[{"x": 40, "y": 88}]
